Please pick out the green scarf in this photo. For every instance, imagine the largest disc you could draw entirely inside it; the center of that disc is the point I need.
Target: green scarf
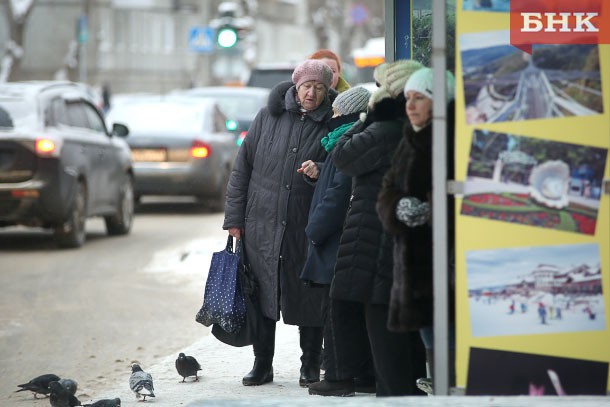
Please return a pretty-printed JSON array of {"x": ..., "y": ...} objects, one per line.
[{"x": 329, "y": 141}]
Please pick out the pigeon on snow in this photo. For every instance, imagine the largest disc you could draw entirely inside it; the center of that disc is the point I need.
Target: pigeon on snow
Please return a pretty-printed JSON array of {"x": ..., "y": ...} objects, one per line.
[
  {"x": 39, "y": 385},
  {"x": 187, "y": 366},
  {"x": 69, "y": 385},
  {"x": 140, "y": 382},
  {"x": 59, "y": 396},
  {"x": 106, "y": 403}
]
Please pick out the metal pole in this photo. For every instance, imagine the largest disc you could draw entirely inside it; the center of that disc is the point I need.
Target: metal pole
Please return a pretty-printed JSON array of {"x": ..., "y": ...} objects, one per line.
[
  {"x": 439, "y": 199},
  {"x": 390, "y": 31}
]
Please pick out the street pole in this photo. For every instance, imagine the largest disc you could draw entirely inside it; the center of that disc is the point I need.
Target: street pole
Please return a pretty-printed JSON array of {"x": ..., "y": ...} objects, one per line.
[
  {"x": 82, "y": 35},
  {"x": 439, "y": 199}
]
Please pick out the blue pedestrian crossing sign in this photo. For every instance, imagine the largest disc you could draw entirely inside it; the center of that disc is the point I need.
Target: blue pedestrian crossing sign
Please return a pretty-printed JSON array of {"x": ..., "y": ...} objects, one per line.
[{"x": 201, "y": 39}]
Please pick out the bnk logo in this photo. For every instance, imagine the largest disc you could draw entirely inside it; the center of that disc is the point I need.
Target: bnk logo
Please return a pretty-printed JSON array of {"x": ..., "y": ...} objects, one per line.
[{"x": 559, "y": 22}]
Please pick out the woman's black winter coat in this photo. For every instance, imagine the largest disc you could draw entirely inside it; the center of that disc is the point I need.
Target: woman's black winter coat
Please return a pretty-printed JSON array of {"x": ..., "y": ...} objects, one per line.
[
  {"x": 268, "y": 199},
  {"x": 363, "y": 272}
]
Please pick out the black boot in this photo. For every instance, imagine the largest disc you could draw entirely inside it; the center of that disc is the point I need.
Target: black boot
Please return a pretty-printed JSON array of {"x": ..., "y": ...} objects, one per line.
[
  {"x": 365, "y": 384},
  {"x": 311, "y": 345},
  {"x": 340, "y": 388},
  {"x": 261, "y": 373},
  {"x": 264, "y": 349}
]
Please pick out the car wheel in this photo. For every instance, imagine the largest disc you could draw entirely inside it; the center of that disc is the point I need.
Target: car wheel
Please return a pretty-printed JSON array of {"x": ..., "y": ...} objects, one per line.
[
  {"x": 120, "y": 223},
  {"x": 71, "y": 233}
]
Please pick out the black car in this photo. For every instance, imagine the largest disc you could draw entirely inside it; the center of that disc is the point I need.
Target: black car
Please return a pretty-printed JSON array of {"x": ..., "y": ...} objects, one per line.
[{"x": 59, "y": 164}]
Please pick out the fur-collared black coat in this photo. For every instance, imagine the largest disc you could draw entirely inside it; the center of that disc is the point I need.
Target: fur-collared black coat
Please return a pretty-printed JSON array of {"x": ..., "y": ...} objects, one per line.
[
  {"x": 363, "y": 272},
  {"x": 411, "y": 305},
  {"x": 268, "y": 199}
]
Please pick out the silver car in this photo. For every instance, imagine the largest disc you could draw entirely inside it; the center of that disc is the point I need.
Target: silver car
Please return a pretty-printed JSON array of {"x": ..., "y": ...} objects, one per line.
[
  {"x": 179, "y": 147},
  {"x": 239, "y": 103}
]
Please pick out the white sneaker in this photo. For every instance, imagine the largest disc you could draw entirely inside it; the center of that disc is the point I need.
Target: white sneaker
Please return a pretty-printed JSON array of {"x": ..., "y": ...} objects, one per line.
[{"x": 425, "y": 385}]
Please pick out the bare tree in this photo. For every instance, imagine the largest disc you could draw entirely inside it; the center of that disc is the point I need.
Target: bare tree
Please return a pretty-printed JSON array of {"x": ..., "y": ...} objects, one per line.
[
  {"x": 17, "y": 16},
  {"x": 333, "y": 17}
]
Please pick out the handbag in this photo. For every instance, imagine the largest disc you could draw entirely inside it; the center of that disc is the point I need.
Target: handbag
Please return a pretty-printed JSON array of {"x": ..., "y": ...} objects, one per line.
[
  {"x": 223, "y": 300},
  {"x": 254, "y": 323}
]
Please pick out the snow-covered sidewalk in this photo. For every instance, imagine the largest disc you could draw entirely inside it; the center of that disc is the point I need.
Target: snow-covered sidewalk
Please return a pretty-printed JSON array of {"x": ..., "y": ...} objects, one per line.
[{"x": 223, "y": 367}]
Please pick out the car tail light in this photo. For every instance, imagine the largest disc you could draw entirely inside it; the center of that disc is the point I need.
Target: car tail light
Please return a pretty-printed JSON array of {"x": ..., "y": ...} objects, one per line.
[
  {"x": 25, "y": 193},
  {"x": 199, "y": 149},
  {"x": 46, "y": 147}
]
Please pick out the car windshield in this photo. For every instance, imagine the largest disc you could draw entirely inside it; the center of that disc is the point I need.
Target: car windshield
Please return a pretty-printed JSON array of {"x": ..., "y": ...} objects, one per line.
[
  {"x": 15, "y": 112},
  {"x": 239, "y": 106},
  {"x": 158, "y": 117},
  {"x": 268, "y": 78}
]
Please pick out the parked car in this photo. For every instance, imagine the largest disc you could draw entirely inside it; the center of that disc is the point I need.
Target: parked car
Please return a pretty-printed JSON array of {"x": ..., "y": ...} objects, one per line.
[
  {"x": 180, "y": 147},
  {"x": 59, "y": 164},
  {"x": 238, "y": 103}
]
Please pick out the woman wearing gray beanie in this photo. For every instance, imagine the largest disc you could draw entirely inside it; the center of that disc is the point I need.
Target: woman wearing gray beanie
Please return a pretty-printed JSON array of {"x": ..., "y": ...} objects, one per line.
[
  {"x": 268, "y": 202},
  {"x": 324, "y": 227}
]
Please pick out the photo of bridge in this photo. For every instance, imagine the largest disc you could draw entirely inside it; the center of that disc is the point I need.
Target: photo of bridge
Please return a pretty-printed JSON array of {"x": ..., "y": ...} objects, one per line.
[{"x": 503, "y": 83}]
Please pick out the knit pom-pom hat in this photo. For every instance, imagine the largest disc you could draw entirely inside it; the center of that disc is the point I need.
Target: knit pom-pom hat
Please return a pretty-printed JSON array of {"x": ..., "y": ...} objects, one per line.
[
  {"x": 312, "y": 70},
  {"x": 398, "y": 73},
  {"x": 422, "y": 81},
  {"x": 353, "y": 100}
]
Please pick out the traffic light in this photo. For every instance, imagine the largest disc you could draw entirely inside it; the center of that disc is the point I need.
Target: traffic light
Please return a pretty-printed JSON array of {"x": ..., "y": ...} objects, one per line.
[{"x": 226, "y": 36}]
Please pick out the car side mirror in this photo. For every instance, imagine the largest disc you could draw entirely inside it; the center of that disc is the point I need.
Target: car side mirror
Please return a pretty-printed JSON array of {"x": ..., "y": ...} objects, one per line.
[{"x": 120, "y": 130}]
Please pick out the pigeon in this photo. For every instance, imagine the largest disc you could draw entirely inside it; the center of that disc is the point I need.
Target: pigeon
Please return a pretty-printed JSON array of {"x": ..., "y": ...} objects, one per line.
[
  {"x": 39, "y": 385},
  {"x": 69, "y": 385},
  {"x": 187, "y": 366},
  {"x": 106, "y": 403},
  {"x": 59, "y": 396},
  {"x": 140, "y": 382}
]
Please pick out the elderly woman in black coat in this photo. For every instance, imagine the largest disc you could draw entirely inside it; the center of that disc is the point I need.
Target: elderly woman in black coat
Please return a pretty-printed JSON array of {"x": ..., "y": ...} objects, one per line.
[
  {"x": 405, "y": 211},
  {"x": 268, "y": 201},
  {"x": 363, "y": 273}
]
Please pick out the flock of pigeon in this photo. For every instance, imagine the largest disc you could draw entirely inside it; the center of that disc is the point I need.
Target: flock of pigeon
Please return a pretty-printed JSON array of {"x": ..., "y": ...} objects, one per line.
[{"x": 62, "y": 392}]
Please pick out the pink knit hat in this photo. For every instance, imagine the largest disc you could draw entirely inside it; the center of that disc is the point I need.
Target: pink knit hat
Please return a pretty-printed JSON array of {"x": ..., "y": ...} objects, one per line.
[{"x": 312, "y": 70}]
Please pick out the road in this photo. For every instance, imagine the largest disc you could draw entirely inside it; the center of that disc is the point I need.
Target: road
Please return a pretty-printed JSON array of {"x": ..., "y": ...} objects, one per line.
[{"x": 86, "y": 314}]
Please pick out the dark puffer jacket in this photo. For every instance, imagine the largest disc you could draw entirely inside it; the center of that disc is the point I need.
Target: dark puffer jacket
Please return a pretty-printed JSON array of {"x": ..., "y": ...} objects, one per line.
[
  {"x": 268, "y": 199},
  {"x": 363, "y": 272}
]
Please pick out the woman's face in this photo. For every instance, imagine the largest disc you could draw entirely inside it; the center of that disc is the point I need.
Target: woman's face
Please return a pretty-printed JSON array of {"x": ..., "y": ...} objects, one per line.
[
  {"x": 311, "y": 94},
  {"x": 418, "y": 108},
  {"x": 335, "y": 68}
]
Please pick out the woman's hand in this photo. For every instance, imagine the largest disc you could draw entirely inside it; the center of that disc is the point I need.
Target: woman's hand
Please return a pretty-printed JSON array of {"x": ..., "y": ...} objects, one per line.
[
  {"x": 235, "y": 232},
  {"x": 310, "y": 169}
]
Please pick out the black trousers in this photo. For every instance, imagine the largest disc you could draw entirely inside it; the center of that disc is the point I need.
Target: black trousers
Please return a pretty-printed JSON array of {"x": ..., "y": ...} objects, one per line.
[
  {"x": 399, "y": 357},
  {"x": 347, "y": 352}
]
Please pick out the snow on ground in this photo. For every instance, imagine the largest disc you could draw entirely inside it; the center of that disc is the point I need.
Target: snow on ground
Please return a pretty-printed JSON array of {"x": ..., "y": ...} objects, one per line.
[
  {"x": 186, "y": 264},
  {"x": 492, "y": 317}
]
